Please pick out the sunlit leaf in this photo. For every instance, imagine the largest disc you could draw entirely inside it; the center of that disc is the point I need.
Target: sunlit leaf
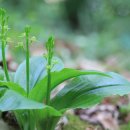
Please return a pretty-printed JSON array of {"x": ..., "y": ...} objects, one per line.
[
  {"x": 57, "y": 78},
  {"x": 13, "y": 86},
  {"x": 14, "y": 101},
  {"x": 37, "y": 71},
  {"x": 83, "y": 92}
]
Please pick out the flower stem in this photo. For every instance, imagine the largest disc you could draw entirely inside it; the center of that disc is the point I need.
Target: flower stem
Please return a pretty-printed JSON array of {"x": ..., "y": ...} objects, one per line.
[
  {"x": 4, "y": 30},
  {"x": 27, "y": 30},
  {"x": 48, "y": 84},
  {"x": 49, "y": 47},
  {"x": 4, "y": 62}
]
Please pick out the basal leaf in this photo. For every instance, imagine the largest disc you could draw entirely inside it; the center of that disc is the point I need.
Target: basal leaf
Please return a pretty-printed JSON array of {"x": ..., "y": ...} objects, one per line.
[
  {"x": 14, "y": 101},
  {"x": 37, "y": 71},
  {"x": 57, "y": 78},
  {"x": 13, "y": 86},
  {"x": 39, "y": 117},
  {"x": 45, "y": 118},
  {"x": 11, "y": 101},
  {"x": 83, "y": 92},
  {"x": 2, "y": 90}
]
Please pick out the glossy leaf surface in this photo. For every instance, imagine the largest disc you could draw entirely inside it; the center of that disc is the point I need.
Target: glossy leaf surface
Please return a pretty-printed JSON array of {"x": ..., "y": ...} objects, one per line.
[
  {"x": 13, "y": 86},
  {"x": 14, "y": 101},
  {"x": 86, "y": 91},
  {"x": 57, "y": 78},
  {"x": 37, "y": 71}
]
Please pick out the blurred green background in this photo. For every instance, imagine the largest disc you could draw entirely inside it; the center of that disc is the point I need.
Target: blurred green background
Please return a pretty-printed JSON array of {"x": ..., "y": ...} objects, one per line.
[{"x": 100, "y": 29}]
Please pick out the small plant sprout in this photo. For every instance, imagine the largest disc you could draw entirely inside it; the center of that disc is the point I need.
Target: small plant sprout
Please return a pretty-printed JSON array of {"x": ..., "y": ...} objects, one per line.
[
  {"x": 3, "y": 36},
  {"x": 27, "y": 95}
]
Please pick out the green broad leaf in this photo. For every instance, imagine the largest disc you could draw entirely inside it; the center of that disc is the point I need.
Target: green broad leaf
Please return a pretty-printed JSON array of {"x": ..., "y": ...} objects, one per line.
[
  {"x": 11, "y": 101},
  {"x": 86, "y": 91},
  {"x": 37, "y": 71},
  {"x": 44, "y": 118},
  {"x": 39, "y": 117},
  {"x": 57, "y": 78},
  {"x": 2, "y": 90},
  {"x": 13, "y": 86},
  {"x": 14, "y": 101},
  {"x": 48, "y": 111}
]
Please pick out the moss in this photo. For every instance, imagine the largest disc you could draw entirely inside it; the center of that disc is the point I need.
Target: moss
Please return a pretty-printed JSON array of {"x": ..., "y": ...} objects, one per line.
[
  {"x": 125, "y": 127},
  {"x": 76, "y": 124}
]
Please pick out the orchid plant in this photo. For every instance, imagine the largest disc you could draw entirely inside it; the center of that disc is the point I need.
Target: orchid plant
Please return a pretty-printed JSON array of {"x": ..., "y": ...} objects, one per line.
[{"x": 28, "y": 94}]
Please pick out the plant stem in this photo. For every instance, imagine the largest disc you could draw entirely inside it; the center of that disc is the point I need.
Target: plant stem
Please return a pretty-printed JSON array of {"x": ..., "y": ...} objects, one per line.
[
  {"x": 3, "y": 37},
  {"x": 49, "y": 47},
  {"x": 48, "y": 83},
  {"x": 27, "y": 63},
  {"x": 4, "y": 61},
  {"x": 27, "y": 30}
]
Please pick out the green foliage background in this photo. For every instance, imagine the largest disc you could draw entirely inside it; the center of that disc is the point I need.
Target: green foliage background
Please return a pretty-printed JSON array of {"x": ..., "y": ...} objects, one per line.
[{"x": 98, "y": 27}]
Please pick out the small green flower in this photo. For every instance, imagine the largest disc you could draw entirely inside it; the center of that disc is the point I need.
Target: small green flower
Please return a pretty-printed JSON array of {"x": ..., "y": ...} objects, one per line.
[
  {"x": 6, "y": 28},
  {"x": 27, "y": 29},
  {"x": 54, "y": 62},
  {"x": 20, "y": 45},
  {"x": 8, "y": 39},
  {"x": 50, "y": 47},
  {"x": 22, "y": 35},
  {"x": 33, "y": 39}
]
